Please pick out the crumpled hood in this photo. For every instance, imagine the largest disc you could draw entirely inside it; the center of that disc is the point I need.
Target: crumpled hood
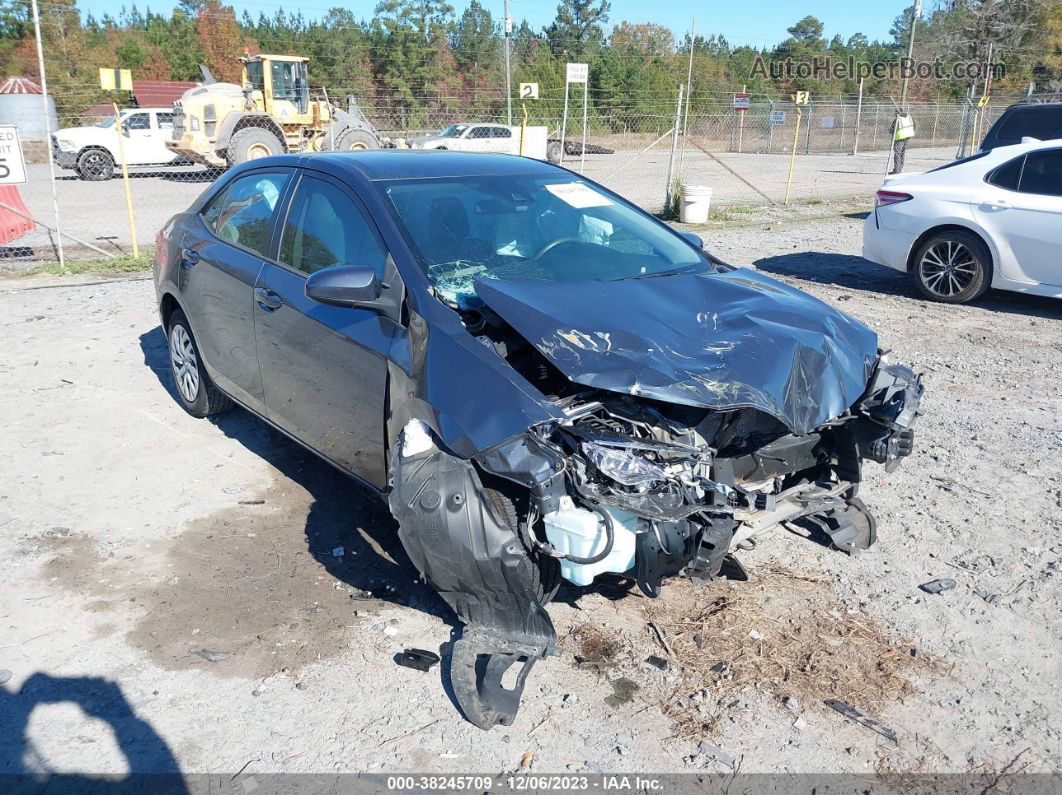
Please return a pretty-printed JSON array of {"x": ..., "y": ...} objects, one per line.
[{"x": 718, "y": 340}]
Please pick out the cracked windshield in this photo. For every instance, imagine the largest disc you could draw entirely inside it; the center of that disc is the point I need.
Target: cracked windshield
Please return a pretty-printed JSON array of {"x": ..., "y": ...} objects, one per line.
[{"x": 530, "y": 228}]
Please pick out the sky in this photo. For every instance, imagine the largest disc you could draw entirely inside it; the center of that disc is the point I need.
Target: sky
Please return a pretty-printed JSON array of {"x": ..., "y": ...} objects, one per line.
[{"x": 764, "y": 26}]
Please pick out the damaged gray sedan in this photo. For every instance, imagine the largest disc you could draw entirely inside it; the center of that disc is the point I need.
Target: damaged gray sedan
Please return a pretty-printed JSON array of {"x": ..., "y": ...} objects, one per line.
[{"x": 543, "y": 381}]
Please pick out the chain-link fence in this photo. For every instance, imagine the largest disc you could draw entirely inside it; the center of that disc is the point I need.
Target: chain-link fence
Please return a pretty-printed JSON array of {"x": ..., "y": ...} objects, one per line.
[{"x": 842, "y": 152}]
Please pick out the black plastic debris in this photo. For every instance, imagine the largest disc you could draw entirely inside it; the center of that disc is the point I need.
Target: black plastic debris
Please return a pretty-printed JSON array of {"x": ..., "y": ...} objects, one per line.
[
  {"x": 657, "y": 662},
  {"x": 856, "y": 716},
  {"x": 938, "y": 586},
  {"x": 417, "y": 659}
]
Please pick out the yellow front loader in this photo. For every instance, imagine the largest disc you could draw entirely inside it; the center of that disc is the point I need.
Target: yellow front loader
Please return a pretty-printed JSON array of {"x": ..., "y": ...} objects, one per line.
[{"x": 224, "y": 124}]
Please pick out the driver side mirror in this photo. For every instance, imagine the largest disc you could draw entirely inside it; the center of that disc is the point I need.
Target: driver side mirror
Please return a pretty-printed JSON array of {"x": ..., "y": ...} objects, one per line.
[
  {"x": 344, "y": 285},
  {"x": 694, "y": 239}
]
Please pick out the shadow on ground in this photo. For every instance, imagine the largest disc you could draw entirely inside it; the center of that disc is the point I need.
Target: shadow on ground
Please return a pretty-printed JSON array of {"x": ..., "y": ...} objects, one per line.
[
  {"x": 144, "y": 750},
  {"x": 856, "y": 273},
  {"x": 341, "y": 514}
]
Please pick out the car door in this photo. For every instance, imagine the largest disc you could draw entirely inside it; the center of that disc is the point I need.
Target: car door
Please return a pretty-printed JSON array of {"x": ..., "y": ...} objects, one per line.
[
  {"x": 478, "y": 139},
  {"x": 138, "y": 139},
  {"x": 161, "y": 129},
  {"x": 1022, "y": 209},
  {"x": 324, "y": 367},
  {"x": 502, "y": 140},
  {"x": 222, "y": 256}
]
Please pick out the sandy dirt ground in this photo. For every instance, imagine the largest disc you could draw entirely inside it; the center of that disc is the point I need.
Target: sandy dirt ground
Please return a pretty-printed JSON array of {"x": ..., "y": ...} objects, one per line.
[{"x": 178, "y": 594}]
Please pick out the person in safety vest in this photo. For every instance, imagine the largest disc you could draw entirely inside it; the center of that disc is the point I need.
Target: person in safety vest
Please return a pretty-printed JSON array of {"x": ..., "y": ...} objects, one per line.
[{"x": 903, "y": 131}]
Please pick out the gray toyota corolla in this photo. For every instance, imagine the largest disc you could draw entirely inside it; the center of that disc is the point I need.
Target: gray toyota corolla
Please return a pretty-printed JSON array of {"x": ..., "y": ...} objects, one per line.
[{"x": 543, "y": 381}]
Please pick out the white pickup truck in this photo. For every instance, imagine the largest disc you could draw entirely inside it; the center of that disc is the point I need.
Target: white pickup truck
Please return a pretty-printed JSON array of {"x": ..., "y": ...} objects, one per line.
[{"x": 93, "y": 151}]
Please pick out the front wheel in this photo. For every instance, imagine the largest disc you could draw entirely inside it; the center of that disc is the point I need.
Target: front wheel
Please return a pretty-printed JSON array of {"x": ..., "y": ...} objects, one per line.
[
  {"x": 356, "y": 141},
  {"x": 252, "y": 143},
  {"x": 196, "y": 392},
  {"x": 95, "y": 165},
  {"x": 953, "y": 267}
]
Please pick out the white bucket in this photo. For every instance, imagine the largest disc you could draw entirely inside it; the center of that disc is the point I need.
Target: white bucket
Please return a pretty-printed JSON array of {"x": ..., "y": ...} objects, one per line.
[{"x": 695, "y": 201}]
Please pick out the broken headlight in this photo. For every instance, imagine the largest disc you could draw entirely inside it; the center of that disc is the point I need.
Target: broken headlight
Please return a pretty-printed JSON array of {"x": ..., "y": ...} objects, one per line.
[{"x": 623, "y": 466}]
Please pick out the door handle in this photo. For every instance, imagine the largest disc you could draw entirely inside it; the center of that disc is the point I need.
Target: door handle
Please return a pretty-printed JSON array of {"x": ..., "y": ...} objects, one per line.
[
  {"x": 267, "y": 299},
  {"x": 189, "y": 257},
  {"x": 999, "y": 204}
]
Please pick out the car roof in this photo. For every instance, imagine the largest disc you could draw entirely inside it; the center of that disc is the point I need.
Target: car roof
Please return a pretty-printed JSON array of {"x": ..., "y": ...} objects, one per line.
[{"x": 388, "y": 164}]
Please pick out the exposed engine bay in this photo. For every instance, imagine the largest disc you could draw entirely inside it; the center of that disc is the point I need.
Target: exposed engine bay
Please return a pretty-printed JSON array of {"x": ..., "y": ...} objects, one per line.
[{"x": 624, "y": 482}]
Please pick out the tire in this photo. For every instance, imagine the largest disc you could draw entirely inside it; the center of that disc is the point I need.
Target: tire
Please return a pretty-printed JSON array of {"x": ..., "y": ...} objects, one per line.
[
  {"x": 196, "y": 393},
  {"x": 553, "y": 152},
  {"x": 356, "y": 141},
  {"x": 952, "y": 267},
  {"x": 252, "y": 143},
  {"x": 95, "y": 165}
]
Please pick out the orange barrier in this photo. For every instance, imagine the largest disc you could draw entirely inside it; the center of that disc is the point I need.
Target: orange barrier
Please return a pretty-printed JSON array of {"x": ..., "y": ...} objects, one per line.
[{"x": 12, "y": 225}]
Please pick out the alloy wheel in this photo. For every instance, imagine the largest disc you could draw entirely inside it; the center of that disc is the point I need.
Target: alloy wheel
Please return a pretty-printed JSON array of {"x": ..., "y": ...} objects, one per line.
[
  {"x": 184, "y": 362},
  {"x": 948, "y": 268},
  {"x": 94, "y": 163},
  {"x": 258, "y": 150}
]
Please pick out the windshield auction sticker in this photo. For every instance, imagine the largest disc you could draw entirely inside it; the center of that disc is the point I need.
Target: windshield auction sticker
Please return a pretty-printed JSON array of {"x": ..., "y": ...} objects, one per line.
[{"x": 578, "y": 195}]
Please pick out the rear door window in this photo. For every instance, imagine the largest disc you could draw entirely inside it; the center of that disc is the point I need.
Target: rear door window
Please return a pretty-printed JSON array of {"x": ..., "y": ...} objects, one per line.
[
  {"x": 243, "y": 213},
  {"x": 1006, "y": 175},
  {"x": 1042, "y": 173},
  {"x": 1042, "y": 122}
]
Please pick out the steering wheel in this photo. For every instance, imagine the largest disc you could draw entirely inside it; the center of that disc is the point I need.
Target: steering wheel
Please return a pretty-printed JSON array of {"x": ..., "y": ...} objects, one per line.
[{"x": 553, "y": 244}]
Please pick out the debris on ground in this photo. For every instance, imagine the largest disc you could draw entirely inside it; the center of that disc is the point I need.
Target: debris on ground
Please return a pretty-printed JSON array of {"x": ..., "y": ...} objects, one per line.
[
  {"x": 359, "y": 595},
  {"x": 938, "y": 586},
  {"x": 855, "y": 715},
  {"x": 526, "y": 759},
  {"x": 211, "y": 656},
  {"x": 705, "y": 748},
  {"x": 988, "y": 596},
  {"x": 657, "y": 662},
  {"x": 5, "y": 676},
  {"x": 815, "y": 648},
  {"x": 417, "y": 659}
]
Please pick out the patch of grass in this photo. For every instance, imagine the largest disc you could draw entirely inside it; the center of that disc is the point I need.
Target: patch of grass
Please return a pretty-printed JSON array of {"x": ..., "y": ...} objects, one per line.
[{"x": 100, "y": 267}]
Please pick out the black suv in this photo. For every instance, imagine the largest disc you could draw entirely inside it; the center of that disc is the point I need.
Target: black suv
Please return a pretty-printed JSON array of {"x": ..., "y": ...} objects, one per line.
[
  {"x": 542, "y": 380},
  {"x": 1043, "y": 122}
]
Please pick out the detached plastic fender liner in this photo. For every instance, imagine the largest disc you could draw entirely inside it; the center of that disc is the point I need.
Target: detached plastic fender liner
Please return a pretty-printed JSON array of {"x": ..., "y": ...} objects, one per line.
[{"x": 460, "y": 537}]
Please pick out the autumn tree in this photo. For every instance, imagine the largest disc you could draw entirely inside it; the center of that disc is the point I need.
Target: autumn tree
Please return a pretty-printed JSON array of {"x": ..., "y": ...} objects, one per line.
[{"x": 220, "y": 40}]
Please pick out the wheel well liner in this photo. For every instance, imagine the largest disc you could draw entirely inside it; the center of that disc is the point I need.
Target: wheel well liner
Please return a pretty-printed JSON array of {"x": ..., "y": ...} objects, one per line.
[
  {"x": 922, "y": 238},
  {"x": 167, "y": 306}
]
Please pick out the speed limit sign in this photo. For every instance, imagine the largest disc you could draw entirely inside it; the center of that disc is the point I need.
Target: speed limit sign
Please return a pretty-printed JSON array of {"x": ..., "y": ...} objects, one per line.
[{"x": 12, "y": 166}]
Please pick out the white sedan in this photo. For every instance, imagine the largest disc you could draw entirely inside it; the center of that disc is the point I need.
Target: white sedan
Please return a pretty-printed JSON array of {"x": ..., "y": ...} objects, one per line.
[{"x": 991, "y": 220}]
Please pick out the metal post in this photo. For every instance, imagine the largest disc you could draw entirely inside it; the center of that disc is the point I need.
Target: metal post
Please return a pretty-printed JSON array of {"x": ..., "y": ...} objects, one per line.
[
  {"x": 807, "y": 143},
  {"x": 936, "y": 121},
  {"x": 586, "y": 103},
  {"x": 508, "y": 72},
  {"x": 859, "y": 118},
  {"x": 669, "y": 201},
  {"x": 689, "y": 92},
  {"x": 844, "y": 123},
  {"x": 916, "y": 12},
  {"x": 125, "y": 176},
  {"x": 48, "y": 132},
  {"x": 741, "y": 123},
  {"x": 564, "y": 118},
  {"x": 792, "y": 156}
]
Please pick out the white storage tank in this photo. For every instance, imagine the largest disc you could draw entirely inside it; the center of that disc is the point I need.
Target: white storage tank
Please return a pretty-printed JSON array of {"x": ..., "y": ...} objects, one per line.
[{"x": 20, "y": 105}]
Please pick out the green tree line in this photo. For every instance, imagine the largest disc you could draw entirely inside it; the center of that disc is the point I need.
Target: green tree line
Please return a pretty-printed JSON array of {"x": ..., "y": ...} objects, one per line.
[{"x": 415, "y": 58}]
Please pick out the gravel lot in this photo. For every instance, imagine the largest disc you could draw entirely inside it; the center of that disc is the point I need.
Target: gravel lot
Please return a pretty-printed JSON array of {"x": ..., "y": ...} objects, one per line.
[{"x": 172, "y": 595}]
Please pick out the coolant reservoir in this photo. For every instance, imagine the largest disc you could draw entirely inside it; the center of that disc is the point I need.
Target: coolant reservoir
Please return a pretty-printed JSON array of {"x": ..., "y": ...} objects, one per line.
[{"x": 581, "y": 533}]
